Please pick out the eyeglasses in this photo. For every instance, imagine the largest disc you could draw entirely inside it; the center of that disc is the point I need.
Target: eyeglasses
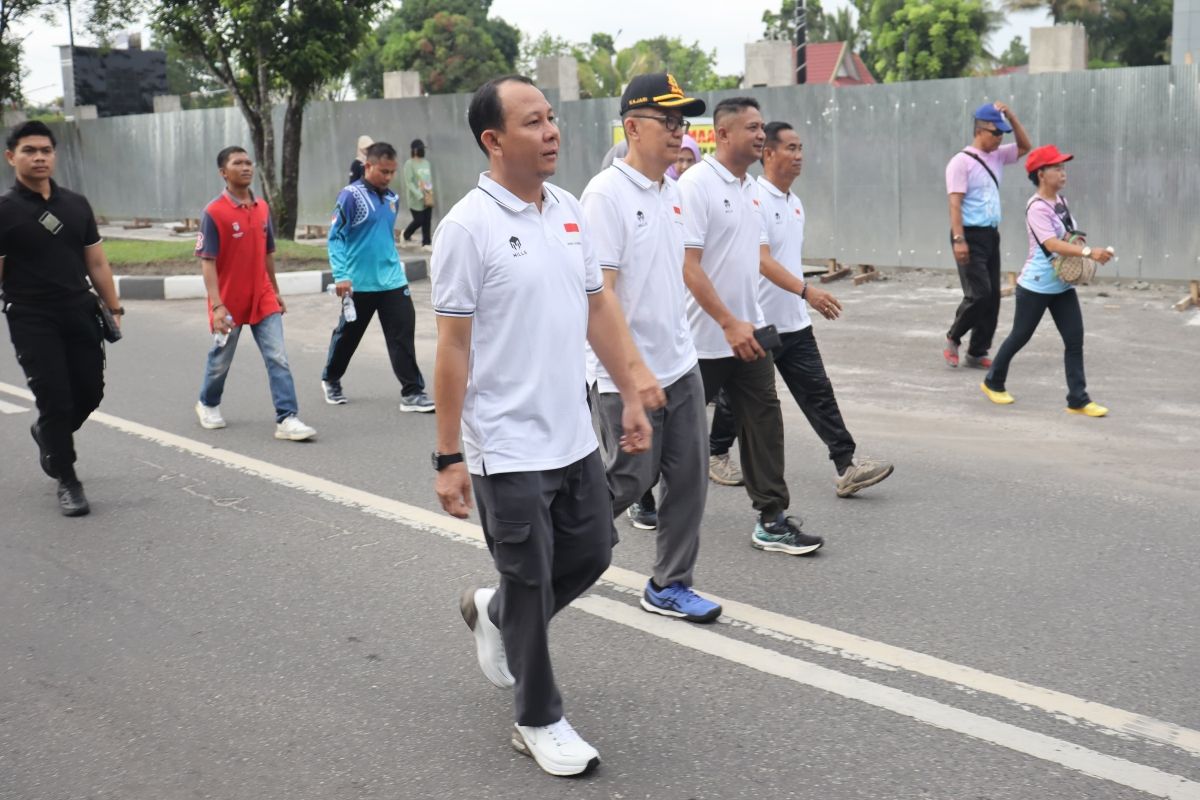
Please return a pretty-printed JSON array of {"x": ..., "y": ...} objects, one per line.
[{"x": 672, "y": 124}]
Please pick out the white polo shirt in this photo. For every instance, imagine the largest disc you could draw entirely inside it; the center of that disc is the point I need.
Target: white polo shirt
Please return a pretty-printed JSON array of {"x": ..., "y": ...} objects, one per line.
[
  {"x": 720, "y": 216},
  {"x": 783, "y": 225},
  {"x": 635, "y": 226},
  {"x": 523, "y": 276}
]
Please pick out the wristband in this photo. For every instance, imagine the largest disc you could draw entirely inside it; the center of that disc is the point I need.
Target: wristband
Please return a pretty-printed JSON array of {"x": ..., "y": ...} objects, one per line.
[
  {"x": 804, "y": 291},
  {"x": 119, "y": 311},
  {"x": 216, "y": 306}
]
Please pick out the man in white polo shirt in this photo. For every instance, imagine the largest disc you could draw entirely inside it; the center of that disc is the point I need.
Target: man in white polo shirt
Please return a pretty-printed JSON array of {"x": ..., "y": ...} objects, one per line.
[
  {"x": 782, "y": 292},
  {"x": 518, "y": 292},
  {"x": 635, "y": 222},
  {"x": 722, "y": 234}
]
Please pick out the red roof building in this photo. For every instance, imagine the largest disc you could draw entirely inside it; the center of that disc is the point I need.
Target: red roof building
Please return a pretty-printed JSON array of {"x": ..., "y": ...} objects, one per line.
[{"x": 836, "y": 64}]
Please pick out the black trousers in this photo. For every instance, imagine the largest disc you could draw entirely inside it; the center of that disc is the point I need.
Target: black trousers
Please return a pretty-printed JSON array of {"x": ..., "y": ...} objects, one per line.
[
  {"x": 551, "y": 535},
  {"x": 422, "y": 219},
  {"x": 1068, "y": 318},
  {"x": 800, "y": 364},
  {"x": 980, "y": 279},
  {"x": 398, "y": 319},
  {"x": 62, "y": 353},
  {"x": 750, "y": 388}
]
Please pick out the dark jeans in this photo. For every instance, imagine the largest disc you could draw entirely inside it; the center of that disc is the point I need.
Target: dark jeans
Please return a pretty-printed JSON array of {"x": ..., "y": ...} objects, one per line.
[
  {"x": 1068, "y": 318},
  {"x": 799, "y": 361},
  {"x": 398, "y": 319},
  {"x": 551, "y": 535},
  {"x": 750, "y": 388},
  {"x": 62, "y": 353},
  {"x": 420, "y": 219},
  {"x": 980, "y": 279}
]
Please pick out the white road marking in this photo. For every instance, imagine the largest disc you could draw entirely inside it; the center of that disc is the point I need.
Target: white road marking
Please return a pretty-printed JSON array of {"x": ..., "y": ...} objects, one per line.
[
  {"x": 1047, "y": 748},
  {"x": 1053, "y": 702},
  {"x": 11, "y": 408}
]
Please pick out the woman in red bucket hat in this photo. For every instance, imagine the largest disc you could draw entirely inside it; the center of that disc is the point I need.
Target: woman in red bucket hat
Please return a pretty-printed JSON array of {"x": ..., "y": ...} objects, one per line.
[{"x": 1050, "y": 228}]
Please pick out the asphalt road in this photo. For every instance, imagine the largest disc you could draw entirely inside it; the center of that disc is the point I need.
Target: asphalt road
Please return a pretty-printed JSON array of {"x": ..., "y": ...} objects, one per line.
[{"x": 1013, "y": 614}]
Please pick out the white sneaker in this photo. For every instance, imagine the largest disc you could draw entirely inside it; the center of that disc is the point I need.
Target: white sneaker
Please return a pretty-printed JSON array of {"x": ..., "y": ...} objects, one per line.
[
  {"x": 210, "y": 416},
  {"x": 557, "y": 748},
  {"x": 294, "y": 430},
  {"x": 428, "y": 248},
  {"x": 489, "y": 646}
]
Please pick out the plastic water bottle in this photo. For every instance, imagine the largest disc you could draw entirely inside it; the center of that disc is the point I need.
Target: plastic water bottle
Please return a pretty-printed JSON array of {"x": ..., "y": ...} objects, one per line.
[
  {"x": 221, "y": 339},
  {"x": 347, "y": 304}
]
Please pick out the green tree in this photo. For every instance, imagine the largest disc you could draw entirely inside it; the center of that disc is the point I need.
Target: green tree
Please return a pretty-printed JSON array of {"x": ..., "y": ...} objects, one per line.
[
  {"x": 544, "y": 45},
  {"x": 928, "y": 39},
  {"x": 1016, "y": 55},
  {"x": 189, "y": 77},
  {"x": 452, "y": 52},
  {"x": 392, "y": 46},
  {"x": 266, "y": 51},
  {"x": 819, "y": 25},
  {"x": 1132, "y": 33}
]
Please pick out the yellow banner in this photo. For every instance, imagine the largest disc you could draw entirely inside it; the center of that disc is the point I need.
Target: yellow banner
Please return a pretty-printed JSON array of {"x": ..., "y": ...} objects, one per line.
[{"x": 702, "y": 131}]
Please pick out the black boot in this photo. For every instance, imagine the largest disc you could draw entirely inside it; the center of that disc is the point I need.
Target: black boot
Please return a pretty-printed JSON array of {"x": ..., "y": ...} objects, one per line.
[
  {"x": 43, "y": 456},
  {"x": 71, "y": 500}
]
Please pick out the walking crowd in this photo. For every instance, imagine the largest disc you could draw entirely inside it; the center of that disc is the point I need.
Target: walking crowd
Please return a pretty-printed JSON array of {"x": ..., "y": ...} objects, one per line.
[{"x": 579, "y": 340}]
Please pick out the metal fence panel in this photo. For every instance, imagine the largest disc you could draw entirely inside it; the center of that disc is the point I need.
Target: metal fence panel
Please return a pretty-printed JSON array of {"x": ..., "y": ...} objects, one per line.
[{"x": 875, "y": 158}]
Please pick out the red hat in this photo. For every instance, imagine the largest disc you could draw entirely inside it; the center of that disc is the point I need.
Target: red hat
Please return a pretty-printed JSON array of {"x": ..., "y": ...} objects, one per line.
[{"x": 1045, "y": 156}]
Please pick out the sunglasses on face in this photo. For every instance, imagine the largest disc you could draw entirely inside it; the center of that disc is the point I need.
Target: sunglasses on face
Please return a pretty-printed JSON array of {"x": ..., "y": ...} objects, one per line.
[{"x": 999, "y": 134}]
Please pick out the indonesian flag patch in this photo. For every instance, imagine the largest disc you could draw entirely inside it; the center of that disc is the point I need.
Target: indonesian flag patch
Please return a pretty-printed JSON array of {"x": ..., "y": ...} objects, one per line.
[{"x": 572, "y": 231}]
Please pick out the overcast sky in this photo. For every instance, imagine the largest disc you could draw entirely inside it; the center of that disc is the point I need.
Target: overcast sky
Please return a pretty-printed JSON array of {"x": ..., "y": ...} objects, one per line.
[{"x": 725, "y": 26}]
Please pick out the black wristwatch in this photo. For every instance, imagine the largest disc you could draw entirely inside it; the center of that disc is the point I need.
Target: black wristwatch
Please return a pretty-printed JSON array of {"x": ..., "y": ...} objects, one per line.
[{"x": 443, "y": 460}]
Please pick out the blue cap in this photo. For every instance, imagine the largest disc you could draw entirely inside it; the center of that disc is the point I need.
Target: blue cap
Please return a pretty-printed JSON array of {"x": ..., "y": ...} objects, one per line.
[{"x": 989, "y": 113}]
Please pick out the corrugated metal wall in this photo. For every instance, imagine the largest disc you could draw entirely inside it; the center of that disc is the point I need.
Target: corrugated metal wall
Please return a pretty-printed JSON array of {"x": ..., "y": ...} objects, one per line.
[{"x": 875, "y": 156}]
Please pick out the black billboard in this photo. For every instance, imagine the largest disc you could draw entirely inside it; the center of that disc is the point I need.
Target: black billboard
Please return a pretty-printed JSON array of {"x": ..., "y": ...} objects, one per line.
[{"x": 116, "y": 82}]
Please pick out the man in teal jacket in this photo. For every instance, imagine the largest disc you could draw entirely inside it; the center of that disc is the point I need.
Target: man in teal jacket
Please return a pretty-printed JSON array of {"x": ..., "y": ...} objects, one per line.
[{"x": 367, "y": 268}]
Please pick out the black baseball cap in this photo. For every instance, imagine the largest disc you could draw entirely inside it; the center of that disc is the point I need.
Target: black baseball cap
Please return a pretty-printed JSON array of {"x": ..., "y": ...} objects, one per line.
[{"x": 659, "y": 90}]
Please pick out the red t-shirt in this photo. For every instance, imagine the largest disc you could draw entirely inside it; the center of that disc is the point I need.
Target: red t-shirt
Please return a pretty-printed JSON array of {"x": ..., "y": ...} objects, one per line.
[{"x": 238, "y": 236}]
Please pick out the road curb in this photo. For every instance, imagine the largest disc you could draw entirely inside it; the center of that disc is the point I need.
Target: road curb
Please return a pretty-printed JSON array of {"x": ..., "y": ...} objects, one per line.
[{"x": 190, "y": 287}]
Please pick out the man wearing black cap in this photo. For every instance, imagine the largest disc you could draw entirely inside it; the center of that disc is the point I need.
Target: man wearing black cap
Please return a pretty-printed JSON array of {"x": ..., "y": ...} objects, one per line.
[
  {"x": 973, "y": 184},
  {"x": 635, "y": 221},
  {"x": 49, "y": 250}
]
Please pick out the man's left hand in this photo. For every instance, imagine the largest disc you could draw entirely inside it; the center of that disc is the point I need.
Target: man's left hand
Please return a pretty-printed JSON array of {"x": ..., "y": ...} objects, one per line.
[
  {"x": 823, "y": 302},
  {"x": 282, "y": 305},
  {"x": 649, "y": 392}
]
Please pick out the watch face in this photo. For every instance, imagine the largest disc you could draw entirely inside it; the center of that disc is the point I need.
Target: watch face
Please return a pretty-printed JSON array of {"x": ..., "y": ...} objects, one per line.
[{"x": 434, "y": 458}]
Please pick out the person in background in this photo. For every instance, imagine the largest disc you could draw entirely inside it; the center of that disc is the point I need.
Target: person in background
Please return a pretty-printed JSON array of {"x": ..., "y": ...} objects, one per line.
[
  {"x": 1048, "y": 223},
  {"x": 418, "y": 193},
  {"x": 367, "y": 268},
  {"x": 236, "y": 247},
  {"x": 50, "y": 248},
  {"x": 973, "y": 185},
  {"x": 360, "y": 158},
  {"x": 689, "y": 156}
]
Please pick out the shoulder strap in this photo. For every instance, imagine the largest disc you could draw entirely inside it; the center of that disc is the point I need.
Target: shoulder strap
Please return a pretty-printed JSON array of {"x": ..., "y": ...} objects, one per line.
[
  {"x": 1033, "y": 233},
  {"x": 983, "y": 164}
]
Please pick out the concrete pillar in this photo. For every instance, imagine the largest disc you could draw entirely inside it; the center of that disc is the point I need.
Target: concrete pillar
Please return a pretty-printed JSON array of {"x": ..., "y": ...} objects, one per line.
[
  {"x": 559, "y": 73},
  {"x": 401, "y": 84},
  {"x": 167, "y": 102},
  {"x": 86, "y": 112},
  {"x": 770, "y": 62},
  {"x": 1062, "y": 48}
]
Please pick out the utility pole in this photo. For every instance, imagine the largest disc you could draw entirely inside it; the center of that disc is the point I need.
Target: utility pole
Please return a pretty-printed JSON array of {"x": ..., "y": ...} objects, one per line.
[
  {"x": 801, "y": 26},
  {"x": 70, "y": 30}
]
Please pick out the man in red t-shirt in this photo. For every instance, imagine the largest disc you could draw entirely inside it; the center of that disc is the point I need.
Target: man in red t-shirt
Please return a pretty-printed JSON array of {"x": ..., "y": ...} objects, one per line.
[{"x": 236, "y": 247}]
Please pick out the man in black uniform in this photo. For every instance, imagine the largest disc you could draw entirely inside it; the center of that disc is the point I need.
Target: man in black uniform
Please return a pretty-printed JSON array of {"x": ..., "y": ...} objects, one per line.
[{"x": 49, "y": 248}]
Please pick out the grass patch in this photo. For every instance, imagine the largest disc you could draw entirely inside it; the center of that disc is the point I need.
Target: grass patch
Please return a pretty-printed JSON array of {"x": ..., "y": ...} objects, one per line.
[{"x": 122, "y": 252}]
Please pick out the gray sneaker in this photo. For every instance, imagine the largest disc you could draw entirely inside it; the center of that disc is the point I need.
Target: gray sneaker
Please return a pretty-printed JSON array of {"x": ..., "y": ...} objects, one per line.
[
  {"x": 860, "y": 475},
  {"x": 722, "y": 470},
  {"x": 419, "y": 402}
]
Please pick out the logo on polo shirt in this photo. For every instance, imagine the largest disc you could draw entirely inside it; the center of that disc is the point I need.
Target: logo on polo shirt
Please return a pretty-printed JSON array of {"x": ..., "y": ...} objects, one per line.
[
  {"x": 237, "y": 231},
  {"x": 515, "y": 244},
  {"x": 728, "y": 206},
  {"x": 778, "y": 218},
  {"x": 572, "y": 231},
  {"x": 641, "y": 218}
]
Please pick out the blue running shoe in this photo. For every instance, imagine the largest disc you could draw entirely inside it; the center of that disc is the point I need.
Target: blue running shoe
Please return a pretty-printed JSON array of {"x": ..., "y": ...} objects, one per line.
[
  {"x": 678, "y": 600},
  {"x": 784, "y": 536}
]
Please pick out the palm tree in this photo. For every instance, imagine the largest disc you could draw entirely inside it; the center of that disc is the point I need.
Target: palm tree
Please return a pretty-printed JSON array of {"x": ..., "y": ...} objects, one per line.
[{"x": 1060, "y": 10}]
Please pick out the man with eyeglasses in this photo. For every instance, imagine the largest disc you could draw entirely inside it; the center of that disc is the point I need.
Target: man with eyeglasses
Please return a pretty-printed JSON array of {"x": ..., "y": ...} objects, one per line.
[
  {"x": 973, "y": 184},
  {"x": 635, "y": 219}
]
